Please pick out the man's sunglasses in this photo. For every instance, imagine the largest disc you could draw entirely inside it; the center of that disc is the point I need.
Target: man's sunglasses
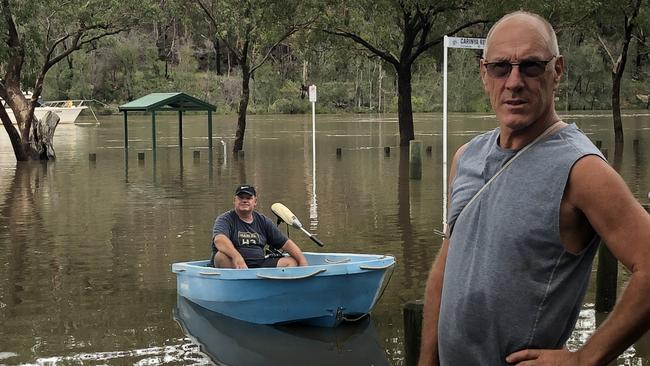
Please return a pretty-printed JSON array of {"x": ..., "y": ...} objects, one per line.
[{"x": 530, "y": 68}]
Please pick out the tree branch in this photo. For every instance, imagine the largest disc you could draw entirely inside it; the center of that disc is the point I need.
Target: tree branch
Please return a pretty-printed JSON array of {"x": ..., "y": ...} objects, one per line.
[
  {"x": 17, "y": 52},
  {"x": 604, "y": 46},
  {"x": 436, "y": 41},
  {"x": 386, "y": 55},
  {"x": 286, "y": 35},
  {"x": 214, "y": 22}
]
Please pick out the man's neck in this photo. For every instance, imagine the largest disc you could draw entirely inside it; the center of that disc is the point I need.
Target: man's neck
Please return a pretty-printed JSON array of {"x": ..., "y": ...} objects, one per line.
[
  {"x": 246, "y": 217},
  {"x": 518, "y": 139}
]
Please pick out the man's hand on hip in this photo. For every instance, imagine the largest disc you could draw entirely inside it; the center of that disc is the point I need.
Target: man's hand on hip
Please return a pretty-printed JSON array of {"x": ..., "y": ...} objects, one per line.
[{"x": 541, "y": 357}]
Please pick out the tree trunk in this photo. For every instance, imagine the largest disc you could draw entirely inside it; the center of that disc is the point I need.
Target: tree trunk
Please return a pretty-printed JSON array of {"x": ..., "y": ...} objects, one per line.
[
  {"x": 404, "y": 106},
  {"x": 31, "y": 139},
  {"x": 14, "y": 136},
  {"x": 42, "y": 136},
  {"x": 217, "y": 54},
  {"x": 616, "y": 108},
  {"x": 243, "y": 106}
]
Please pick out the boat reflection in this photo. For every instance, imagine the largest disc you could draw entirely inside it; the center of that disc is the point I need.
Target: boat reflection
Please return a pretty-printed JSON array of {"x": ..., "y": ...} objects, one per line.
[{"x": 229, "y": 341}]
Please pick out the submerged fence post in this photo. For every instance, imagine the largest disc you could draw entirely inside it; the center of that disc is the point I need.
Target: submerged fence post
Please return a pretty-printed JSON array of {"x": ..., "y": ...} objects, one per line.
[
  {"x": 415, "y": 159},
  {"x": 606, "y": 276},
  {"x": 413, "y": 314}
]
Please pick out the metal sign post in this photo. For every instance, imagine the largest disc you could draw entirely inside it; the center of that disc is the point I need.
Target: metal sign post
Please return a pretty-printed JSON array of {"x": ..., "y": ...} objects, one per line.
[{"x": 451, "y": 42}]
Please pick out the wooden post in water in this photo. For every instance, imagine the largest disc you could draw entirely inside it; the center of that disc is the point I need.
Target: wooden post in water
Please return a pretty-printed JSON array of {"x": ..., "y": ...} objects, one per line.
[
  {"x": 635, "y": 145},
  {"x": 607, "y": 276},
  {"x": 338, "y": 152},
  {"x": 140, "y": 156},
  {"x": 92, "y": 157},
  {"x": 413, "y": 314},
  {"x": 197, "y": 155},
  {"x": 599, "y": 144},
  {"x": 429, "y": 150},
  {"x": 415, "y": 159},
  {"x": 387, "y": 151}
]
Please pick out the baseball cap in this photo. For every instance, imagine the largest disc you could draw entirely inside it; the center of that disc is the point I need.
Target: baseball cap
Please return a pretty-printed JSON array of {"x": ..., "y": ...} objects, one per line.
[{"x": 245, "y": 188}]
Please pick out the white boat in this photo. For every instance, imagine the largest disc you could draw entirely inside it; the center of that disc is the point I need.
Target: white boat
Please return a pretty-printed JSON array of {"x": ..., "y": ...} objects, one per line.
[{"x": 67, "y": 110}]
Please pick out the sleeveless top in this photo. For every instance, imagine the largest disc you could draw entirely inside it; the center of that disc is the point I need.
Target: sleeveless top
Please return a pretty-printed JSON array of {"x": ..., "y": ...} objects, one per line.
[{"x": 509, "y": 284}]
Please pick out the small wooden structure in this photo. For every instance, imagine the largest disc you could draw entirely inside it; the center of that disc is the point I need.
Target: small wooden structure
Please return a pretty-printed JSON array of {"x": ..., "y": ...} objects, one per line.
[{"x": 154, "y": 102}]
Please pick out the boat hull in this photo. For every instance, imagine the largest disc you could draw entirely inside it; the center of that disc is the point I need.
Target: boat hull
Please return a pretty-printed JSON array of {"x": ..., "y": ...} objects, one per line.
[
  {"x": 66, "y": 115},
  {"x": 335, "y": 287}
]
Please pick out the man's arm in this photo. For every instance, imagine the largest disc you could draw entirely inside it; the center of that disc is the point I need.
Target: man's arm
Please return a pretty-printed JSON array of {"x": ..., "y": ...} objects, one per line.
[
  {"x": 432, "y": 295},
  {"x": 602, "y": 195},
  {"x": 433, "y": 290},
  {"x": 224, "y": 245},
  {"x": 295, "y": 252}
]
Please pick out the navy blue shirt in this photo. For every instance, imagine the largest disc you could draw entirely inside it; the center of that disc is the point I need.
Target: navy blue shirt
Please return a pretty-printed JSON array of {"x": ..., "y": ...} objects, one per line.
[{"x": 248, "y": 239}]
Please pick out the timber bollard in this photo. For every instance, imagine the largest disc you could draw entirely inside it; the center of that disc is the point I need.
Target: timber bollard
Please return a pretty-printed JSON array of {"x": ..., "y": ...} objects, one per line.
[
  {"x": 599, "y": 144},
  {"x": 197, "y": 155},
  {"x": 429, "y": 150},
  {"x": 387, "y": 151},
  {"x": 606, "y": 279},
  {"x": 415, "y": 159},
  {"x": 607, "y": 275},
  {"x": 92, "y": 157},
  {"x": 413, "y": 314}
]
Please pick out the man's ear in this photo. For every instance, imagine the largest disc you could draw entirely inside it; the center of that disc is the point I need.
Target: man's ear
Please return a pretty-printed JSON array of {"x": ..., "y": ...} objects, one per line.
[
  {"x": 482, "y": 72},
  {"x": 559, "y": 70}
]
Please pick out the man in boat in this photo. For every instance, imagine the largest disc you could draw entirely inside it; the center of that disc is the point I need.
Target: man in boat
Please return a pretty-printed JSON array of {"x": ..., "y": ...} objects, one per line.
[
  {"x": 509, "y": 280},
  {"x": 240, "y": 235}
]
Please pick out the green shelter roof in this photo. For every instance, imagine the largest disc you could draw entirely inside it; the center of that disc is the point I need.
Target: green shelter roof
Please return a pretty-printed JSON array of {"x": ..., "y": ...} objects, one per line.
[{"x": 167, "y": 102}]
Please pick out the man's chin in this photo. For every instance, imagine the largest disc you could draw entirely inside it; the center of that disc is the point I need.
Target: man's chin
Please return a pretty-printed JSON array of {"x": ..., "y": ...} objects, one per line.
[{"x": 515, "y": 122}]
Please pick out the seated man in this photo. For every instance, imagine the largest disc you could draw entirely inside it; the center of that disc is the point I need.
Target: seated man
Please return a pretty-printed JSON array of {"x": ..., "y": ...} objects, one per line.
[{"x": 239, "y": 237}]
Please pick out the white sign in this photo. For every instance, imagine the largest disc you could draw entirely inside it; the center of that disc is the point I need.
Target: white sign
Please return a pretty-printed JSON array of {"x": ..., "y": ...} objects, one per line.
[
  {"x": 312, "y": 93},
  {"x": 462, "y": 42}
]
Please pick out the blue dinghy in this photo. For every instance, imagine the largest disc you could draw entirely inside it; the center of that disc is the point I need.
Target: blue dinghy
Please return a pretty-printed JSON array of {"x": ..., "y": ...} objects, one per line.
[{"x": 335, "y": 287}]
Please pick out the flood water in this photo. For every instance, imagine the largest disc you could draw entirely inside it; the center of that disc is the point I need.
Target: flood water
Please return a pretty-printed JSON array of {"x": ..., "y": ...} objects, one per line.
[{"x": 86, "y": 247}]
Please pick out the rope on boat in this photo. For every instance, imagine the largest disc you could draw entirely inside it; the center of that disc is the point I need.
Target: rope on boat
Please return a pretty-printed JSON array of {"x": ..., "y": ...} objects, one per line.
[{"x": 354, "y": 319}]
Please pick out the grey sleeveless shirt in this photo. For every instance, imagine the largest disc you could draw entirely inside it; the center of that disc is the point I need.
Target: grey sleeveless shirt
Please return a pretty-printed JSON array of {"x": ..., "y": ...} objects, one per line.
[{"x": 508, "y": 283}]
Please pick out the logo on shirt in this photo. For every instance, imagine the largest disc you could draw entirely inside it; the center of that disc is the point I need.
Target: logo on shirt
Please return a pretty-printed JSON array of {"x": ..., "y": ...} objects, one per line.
[{"x": 246, "y": 238}]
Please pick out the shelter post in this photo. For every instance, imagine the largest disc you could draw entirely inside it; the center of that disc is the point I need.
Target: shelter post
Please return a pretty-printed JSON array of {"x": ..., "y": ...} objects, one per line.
[
  {"x": 210, "y": 131},
  {"x": 153, "y": 130},
  {"x": 126, "y": 132},
  {"x": 180, "y": 129}
]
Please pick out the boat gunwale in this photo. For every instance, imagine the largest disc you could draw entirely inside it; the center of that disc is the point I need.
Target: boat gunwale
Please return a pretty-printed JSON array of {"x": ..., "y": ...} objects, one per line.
[{"x": 200, "y": 268}]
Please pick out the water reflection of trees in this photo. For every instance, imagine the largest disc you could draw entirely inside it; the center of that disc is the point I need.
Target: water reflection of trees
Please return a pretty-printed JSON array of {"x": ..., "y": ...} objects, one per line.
[{"x": 21, "y": 230}]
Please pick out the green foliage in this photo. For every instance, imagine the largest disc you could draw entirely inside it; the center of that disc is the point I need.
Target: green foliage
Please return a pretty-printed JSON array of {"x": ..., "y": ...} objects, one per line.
[
  {"x": 129, "y": 65},
  {"x": 48, "y": 28}
]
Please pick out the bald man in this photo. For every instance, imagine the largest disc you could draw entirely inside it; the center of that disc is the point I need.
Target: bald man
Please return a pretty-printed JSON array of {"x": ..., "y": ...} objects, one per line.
[{"x": 529, "y": 202}]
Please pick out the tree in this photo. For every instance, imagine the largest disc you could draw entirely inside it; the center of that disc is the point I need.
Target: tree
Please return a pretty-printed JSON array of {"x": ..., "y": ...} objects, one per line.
[
  {"x": 400, "y": 31},
  {"x": 615, "y": 31},
  {"x": 252, "y": 31},
  {"x": 36, "y": 35}
]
